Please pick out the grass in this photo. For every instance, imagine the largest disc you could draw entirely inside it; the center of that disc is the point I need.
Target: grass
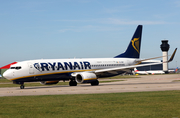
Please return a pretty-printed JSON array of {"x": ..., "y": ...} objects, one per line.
[
  {"x": 4, "y": 81},
  {"x": 31, "y": 84},
  {"x": 115, "y": 105}
]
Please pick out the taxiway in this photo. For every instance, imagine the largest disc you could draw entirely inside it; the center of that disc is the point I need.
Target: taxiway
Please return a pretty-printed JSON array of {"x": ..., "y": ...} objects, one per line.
[{"x": 144, "y": 83}]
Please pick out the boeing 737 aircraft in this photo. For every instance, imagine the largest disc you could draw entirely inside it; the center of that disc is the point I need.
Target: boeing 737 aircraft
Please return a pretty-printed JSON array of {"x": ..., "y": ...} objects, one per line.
[{"x": 87, "y": 70}]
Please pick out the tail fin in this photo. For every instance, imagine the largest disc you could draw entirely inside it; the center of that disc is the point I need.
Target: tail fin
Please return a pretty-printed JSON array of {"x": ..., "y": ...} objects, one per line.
[
  {"x": 133, "y": 50},
  {"x": 176, "y": 69},
  {"x": 136, "y": 70}
]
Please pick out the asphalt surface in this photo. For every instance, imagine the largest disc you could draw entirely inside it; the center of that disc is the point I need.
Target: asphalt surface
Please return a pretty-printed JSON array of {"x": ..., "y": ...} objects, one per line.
[{"x": 144, "y": 83}]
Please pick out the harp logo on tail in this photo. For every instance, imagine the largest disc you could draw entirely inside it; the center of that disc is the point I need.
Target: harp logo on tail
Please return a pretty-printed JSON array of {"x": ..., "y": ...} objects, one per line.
[{"x": 135, "y": 44}]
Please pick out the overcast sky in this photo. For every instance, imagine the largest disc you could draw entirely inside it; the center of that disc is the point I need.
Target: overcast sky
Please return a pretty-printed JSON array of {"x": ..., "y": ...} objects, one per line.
[{"x": 47, "y": 29}]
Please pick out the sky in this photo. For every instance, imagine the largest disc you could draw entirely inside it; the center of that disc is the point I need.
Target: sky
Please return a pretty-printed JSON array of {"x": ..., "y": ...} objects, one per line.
[{"x": 53, "y": 29}]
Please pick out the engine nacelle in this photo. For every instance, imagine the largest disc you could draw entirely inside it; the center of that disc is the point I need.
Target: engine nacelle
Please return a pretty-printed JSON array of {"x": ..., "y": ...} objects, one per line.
[
  {"x": 85, "y": 77},
  {"x": 49, "y": 82}
]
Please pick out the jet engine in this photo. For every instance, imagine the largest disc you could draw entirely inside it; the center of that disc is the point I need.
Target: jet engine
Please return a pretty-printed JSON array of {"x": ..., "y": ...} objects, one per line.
[
  {"x": 85, "y": 77},
  {"x": 49, "y": 82}
]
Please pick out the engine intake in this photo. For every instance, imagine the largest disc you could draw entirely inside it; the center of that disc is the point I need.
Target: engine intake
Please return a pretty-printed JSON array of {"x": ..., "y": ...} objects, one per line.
[{"x": 85, "y": 77}]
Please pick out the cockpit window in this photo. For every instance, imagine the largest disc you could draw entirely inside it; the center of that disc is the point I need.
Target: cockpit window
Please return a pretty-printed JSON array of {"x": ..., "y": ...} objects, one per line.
[{"x": 17, "y": 67}]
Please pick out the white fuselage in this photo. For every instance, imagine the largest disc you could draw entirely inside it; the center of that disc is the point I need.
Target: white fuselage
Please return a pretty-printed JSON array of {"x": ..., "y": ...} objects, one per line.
[{"x": 61, "y": 69}]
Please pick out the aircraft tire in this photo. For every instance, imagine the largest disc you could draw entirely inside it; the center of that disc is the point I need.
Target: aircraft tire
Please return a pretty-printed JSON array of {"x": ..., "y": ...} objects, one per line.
[
  {"x": 72, "y": 83},
  {"x": 95, "y": 83},
  {"x": 22, "y": 87}
]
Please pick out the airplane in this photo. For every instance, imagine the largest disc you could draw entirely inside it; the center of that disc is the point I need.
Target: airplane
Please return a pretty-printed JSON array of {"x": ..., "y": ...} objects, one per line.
[
  {"x": 176, "y": 69},
  {"x": 140, "y": 72},
  {"x": 173, "y": 71},
  {"x": 153, "y": 71},
  {"x": 85, "y": 70},
  {"x": 148, "y": 72}
]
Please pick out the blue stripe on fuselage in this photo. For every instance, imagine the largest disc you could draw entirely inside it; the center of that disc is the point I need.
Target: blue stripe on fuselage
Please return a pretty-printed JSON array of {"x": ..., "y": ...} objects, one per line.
[{"x": 63, "y": 75}]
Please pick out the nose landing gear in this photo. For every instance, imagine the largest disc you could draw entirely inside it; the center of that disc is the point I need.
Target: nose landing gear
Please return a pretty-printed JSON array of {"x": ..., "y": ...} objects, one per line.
[{"x": 21, "y": 83}]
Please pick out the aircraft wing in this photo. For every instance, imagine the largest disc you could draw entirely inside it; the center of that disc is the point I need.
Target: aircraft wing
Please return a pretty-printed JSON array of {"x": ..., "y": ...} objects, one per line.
[
  {"x": 139, "y": 61},
  {"x": 123, "y": 68},
  {"x": 132, "y": 66}
]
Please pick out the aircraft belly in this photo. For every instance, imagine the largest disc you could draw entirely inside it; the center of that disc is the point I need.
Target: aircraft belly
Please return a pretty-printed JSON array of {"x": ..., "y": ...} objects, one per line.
[
  {"x": 110, "y": 74},
  {"x": 62, "y": 76}
]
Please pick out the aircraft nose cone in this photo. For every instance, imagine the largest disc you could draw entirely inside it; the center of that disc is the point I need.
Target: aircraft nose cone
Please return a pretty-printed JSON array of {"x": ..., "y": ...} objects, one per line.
[{"x": 7, "y": 74}]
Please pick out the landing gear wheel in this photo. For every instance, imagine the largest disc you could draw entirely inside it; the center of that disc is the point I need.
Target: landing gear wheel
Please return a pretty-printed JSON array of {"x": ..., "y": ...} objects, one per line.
[
  {"x": 22, "y": 87},
  {"x": 72, "y": 83},
  {"x": 95, "y": 83}
]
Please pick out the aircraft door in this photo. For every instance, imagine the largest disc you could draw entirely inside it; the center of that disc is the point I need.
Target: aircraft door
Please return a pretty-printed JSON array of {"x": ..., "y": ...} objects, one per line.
[
  {"x": 31, "y": 69},
  {"x": 13, "y": 73}
]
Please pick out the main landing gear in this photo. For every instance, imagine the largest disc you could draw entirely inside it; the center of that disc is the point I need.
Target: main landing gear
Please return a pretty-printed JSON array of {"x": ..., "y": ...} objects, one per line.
[
  {"x": 22, "y": 86},
  {"x": 95, "y": 83},
  {"x": 72, "y": 83}
]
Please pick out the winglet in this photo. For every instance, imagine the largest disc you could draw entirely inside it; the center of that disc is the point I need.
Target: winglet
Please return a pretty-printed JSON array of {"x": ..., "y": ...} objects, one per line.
[{"x": 172, "y": 57}]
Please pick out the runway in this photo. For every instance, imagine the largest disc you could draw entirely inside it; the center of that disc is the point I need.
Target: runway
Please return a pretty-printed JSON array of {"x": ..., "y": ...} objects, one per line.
[{"x": 144, "y": 83}]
